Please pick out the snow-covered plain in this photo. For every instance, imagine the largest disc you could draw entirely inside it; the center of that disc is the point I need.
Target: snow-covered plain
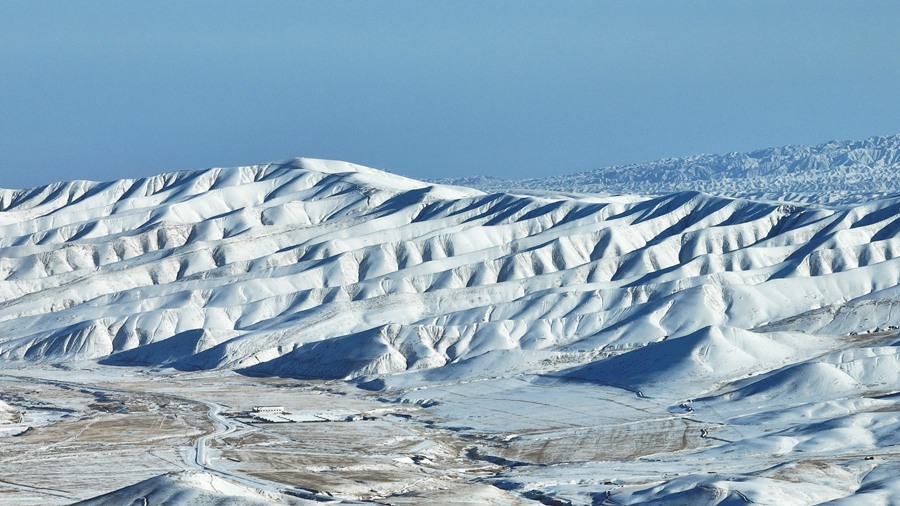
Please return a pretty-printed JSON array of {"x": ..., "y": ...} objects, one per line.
[{"x": 683, "y": 348}]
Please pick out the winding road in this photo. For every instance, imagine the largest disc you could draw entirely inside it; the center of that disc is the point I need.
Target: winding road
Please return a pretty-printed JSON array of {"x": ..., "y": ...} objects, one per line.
[{"x": 223, "y": 427}]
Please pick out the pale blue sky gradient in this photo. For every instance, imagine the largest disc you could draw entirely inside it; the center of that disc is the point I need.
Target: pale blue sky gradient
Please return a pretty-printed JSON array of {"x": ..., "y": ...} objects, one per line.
[{"x": 110, "y": 89}]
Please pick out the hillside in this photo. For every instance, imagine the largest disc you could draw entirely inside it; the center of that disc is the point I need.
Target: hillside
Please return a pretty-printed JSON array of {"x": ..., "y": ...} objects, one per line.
[
  {"x": 696, "y": 327},
  {"x": 325, "y": 270}
]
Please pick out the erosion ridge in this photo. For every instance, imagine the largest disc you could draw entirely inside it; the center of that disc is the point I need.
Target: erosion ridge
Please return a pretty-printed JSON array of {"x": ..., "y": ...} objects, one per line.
[
  {"x": 329, "y": 270},
  {"x": 587, "y": 348}
]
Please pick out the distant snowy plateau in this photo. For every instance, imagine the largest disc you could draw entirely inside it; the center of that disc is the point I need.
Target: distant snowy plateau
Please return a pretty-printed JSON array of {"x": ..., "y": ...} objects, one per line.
[
  {"x": 833, "y": 173},
  {"x": 705, "y": 330}
]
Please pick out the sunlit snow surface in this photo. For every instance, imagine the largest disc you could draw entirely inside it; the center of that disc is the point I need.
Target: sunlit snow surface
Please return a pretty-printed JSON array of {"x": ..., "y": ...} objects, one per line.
[
  {"x": 681, "y": 349},
  {"x": 193, "y": 488}
]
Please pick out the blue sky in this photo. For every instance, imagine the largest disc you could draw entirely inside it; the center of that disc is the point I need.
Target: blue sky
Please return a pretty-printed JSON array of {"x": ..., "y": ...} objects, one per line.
[{"x": 109, "y": 89}]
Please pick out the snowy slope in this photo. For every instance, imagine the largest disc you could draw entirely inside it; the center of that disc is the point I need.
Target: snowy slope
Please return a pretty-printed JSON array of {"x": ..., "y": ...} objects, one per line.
[
  {"x": 329, "y": 270},
  {"x": 632, "y": 342},
  {"x": 837, "y": 172},
  {"x": 191, "y": 489}
]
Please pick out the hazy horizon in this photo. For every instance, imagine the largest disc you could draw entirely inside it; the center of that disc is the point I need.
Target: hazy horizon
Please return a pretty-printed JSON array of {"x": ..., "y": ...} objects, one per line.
[{"x": 107, "y": 90}]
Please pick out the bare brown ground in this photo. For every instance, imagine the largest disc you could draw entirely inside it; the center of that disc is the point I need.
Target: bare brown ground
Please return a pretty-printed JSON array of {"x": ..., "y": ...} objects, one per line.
[
  {"x": 89, "y": 448},
  {"x": 622, "y": 442},
  {"x": 117, "y": 432}
]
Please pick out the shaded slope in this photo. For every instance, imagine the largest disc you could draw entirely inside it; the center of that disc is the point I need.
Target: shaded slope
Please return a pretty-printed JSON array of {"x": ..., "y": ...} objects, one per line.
[{"x": 326, "y": 269}]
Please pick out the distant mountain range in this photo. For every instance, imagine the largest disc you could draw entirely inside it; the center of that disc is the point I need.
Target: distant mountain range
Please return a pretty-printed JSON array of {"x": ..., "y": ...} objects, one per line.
[{"x": 837, "y": 172}]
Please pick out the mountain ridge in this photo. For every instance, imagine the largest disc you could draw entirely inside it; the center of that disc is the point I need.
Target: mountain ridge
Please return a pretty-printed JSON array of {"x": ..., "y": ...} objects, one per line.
[
  {"x": 588, "y": 347},
  {"x": 835, "y": 172},
  {"x": 270, "y": 260}
]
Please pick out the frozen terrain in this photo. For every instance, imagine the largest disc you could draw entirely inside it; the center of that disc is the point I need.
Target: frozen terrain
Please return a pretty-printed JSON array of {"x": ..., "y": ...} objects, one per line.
[
  {"x": 837, "y": 172},
  {"x": 189, "y": 488},
  {"x": 680, "y": 348}
]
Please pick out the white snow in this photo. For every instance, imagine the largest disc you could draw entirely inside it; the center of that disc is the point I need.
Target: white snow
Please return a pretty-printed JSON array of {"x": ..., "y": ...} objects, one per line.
[
  {"x": 678, "y": 348},
  {"x": 191, "y": 489},
  {"x": 837, "y": 172}
]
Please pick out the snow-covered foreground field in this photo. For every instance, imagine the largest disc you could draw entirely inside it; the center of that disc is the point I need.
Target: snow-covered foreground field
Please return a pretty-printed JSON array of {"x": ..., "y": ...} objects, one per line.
[{"x": 486, "y": 348}]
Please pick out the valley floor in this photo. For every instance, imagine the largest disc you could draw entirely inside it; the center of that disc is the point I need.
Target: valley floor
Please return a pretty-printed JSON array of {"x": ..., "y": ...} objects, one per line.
[
  {"x": 72, "y": 434},
  {"x": 82, "y": 433}
]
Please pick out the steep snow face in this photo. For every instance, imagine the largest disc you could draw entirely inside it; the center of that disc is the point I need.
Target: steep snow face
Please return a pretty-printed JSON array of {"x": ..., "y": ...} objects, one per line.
[
  {"x": 318, "y": 269},
  {"x": 836, "y": 172}
]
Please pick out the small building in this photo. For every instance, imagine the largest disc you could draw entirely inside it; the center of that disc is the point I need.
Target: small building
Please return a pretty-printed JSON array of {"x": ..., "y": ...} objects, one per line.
[{"x": 276, "y": 410}]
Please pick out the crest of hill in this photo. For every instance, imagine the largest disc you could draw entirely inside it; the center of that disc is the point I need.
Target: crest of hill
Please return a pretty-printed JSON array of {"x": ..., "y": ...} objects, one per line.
[
  {"x": 191, "y": 488},
  {"x": 187, "y": 183},
  {"x": 836, "y": 172}
]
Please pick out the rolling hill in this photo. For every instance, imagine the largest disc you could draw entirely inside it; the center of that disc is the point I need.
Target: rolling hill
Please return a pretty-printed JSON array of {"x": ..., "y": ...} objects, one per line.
[{"x": 769, "y": 322}]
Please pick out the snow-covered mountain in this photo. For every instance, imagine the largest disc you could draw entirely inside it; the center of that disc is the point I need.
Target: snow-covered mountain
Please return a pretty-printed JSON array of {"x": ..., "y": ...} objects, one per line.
[
  {"x": 329, "y": 270},
  {"x": 836, "y": 172},
  {"x": 716, "y": 327}
]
